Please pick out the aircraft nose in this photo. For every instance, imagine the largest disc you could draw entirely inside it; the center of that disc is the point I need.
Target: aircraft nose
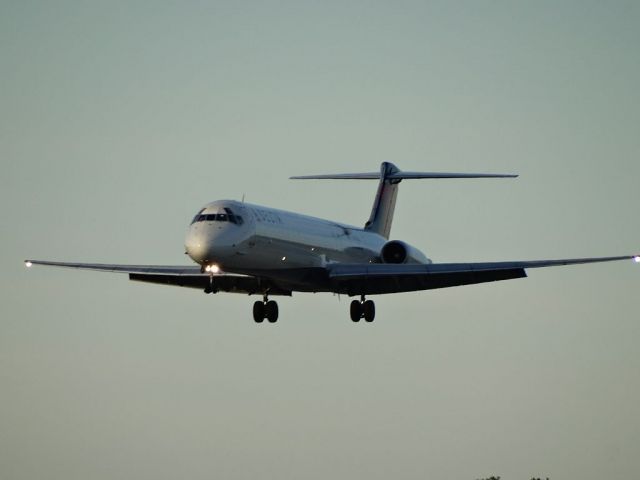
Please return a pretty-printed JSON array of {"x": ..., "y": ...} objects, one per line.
[
  {"x": 205, "y": 245},
  {"x": 196, "y": 246}
]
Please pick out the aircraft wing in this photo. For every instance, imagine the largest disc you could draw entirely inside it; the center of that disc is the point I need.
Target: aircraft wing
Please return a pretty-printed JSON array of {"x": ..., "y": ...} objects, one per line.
[
  {"x": 131, "y": 269},
  {"x": 371, "y": 279},
  {"x": 181, "y": 276},
  {"x": 351, "y": 279}
]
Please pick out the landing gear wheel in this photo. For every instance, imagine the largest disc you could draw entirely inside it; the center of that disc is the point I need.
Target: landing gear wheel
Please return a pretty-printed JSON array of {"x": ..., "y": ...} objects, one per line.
[
  {"x": 369, "y": 310},
  {"x": 266, "y": 309},
  {"x": 271, "y": 311},
  {"x": 258, "y": 312},
  {"x": 355, "y": 310}
]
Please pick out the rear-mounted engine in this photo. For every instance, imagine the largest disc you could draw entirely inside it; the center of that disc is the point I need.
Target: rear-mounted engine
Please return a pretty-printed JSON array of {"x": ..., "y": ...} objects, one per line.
[{"x": 397, "y": 251}]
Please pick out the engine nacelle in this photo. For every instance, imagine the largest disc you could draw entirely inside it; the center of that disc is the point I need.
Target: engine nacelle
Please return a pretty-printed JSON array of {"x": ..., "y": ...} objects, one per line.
[{"x": 397, "y": 251}]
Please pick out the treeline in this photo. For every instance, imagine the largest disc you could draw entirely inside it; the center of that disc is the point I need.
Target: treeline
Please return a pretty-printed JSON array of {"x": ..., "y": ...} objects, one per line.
[{"x": 493, "y": 477}]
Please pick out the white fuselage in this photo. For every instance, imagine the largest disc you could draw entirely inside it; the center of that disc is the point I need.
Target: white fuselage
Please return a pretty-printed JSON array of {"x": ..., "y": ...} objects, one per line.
[{"x": 240, "y": 236}]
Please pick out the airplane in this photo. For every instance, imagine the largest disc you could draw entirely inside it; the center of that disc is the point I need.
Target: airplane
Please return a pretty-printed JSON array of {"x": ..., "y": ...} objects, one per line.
[{"x": 243, "y": 248}]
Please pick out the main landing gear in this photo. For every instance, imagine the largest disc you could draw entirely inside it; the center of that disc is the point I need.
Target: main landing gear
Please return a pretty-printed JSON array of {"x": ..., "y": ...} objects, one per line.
[
  {"x": 266, "y": 309},
  {"x": 362, "y": 309}
]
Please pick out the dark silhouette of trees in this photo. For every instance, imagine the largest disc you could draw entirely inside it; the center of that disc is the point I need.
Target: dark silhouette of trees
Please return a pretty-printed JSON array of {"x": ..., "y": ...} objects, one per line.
[{"x": 493, "y": 477}]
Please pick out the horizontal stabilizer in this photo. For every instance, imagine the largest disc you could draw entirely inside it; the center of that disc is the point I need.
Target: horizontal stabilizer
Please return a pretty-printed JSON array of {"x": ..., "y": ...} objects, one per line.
[
  {"x": 340, "y": 176},
  {"x": 400, "y": 176},
  {"x": 410, "y": 175},
  {"x": 389, "y": 177}
]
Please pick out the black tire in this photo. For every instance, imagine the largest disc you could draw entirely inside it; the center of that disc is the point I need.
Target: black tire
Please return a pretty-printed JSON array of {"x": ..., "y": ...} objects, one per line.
[
  {"x": 369, "y": 310},
  {"x": 271, "y": 311},
  {"x": 355, "y": 311},
  {"x": 258, "y": 312}
]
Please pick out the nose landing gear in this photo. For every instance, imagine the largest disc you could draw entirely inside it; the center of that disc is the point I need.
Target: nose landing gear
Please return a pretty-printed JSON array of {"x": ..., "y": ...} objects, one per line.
[
  {"x": 362, "y": 309},
  {"x": 266, "y": 309}
]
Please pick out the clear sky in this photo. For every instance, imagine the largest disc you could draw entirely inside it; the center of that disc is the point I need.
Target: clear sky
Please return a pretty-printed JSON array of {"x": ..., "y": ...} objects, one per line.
[{"x": 119, "y": 120}]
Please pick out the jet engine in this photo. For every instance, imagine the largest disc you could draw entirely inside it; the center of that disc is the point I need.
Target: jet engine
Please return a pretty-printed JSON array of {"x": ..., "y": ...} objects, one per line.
[{"x": 397, "y": 251}]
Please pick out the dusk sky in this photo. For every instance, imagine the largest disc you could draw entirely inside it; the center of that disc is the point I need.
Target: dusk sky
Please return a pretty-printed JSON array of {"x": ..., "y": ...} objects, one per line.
[{"x": 120, "y": 120}]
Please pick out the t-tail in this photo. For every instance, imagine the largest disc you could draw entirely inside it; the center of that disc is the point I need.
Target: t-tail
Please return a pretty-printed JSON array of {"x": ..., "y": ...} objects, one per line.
[{"x": 390, "y": 176}]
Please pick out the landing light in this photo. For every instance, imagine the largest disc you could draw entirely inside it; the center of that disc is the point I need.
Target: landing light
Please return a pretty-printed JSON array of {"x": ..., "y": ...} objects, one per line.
[
  {"x": 28, "y": 264},
  {"x": 212, "y": 268},
  {"x": 636, "y": 259}
]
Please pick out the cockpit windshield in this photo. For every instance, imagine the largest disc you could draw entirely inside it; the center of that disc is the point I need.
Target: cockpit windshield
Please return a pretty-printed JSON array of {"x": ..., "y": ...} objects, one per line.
[{"x": 228, "y": 216}]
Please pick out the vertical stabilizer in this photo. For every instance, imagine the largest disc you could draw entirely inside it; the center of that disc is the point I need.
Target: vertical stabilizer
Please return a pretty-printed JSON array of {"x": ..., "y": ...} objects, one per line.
[{"x": 385, "y": 202}]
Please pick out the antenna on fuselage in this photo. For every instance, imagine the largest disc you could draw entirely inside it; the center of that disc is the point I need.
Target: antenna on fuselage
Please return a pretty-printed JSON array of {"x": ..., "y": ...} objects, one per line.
[
  {"x": 243, "y": 198},
  {"x": 390, "y": 176}
]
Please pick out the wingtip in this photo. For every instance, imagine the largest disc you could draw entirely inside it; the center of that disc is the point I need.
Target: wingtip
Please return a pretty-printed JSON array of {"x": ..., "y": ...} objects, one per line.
[{"x": 28, "y": 263}]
